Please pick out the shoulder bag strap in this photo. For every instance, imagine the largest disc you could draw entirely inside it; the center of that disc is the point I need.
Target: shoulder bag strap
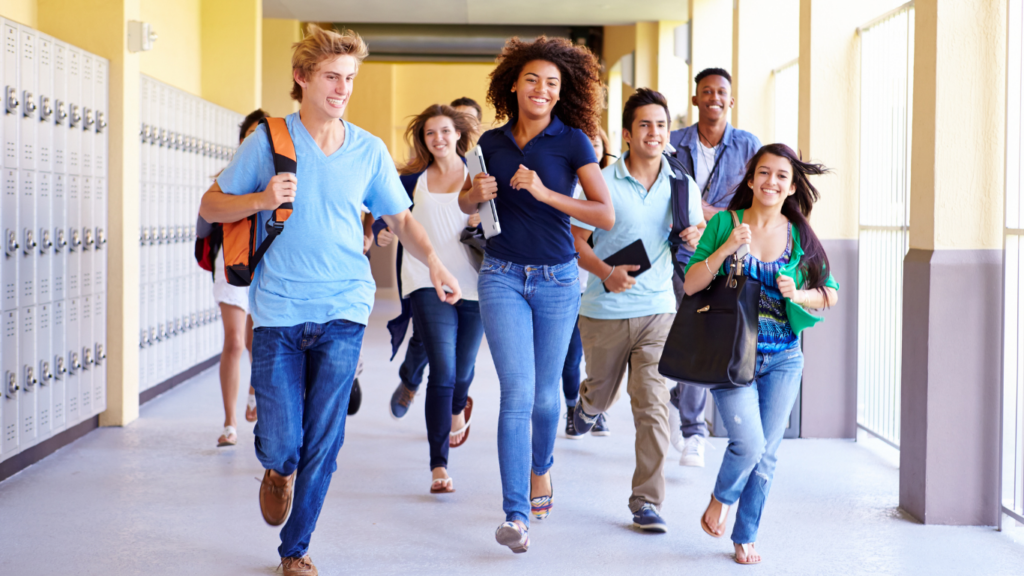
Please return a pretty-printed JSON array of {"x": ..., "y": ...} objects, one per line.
[{"x": 283, "y": 153}]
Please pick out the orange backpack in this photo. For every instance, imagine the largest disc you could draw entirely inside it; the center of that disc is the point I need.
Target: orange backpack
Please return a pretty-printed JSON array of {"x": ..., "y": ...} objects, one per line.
[{"x": 241, "y": 254}]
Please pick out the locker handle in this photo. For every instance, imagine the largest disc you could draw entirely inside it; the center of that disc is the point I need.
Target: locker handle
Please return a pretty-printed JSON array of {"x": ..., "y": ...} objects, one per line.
[
  {"x": 87, "y": 357},
  {"x": 76, "y": 116},
  {"x": 87, "y": 112},
  {"x": 73, "y": 363},
  {"x": 30, "y": 241},
  {"x": 61, "y": 368},
  {"x": 76, "y": 239},
  {"x": 62, "y": 113},
  {"x": 11, "y": 388},
  {"x": 101, "y": 237},
  {"x": 30, "y": 377},
  {"x": 101, "y": 354},
  {"x": 101, "y": 121},
  {"x": 144, "y": 133},
  {"x": 87, "y": 233},
  {"x": 61, "y": 240},
  {"x": 45, "y": 110},
  {"x": 45, "y": 242},
  {"x": 143, "y": 340},
  {"x": 30, "y": 103},
  {"x": 44, "y": 372},
  {"x": 11, "y": 100},
  {"x": 12, "y": 242}
]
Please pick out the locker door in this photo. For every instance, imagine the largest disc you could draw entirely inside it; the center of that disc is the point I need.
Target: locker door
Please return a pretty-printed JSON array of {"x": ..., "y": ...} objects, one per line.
[
  {"x": 11, "y": 95},
  {"x": 85, "y": 205},
  {"x": 44, "y": 225},
  {"x": 27, "y": 91},
  {"x": 58, "y": 364},
  {"x": 58, "y": 254},
  {"x": 72, "y": 214},
  {"x": 100, "y": 191},
  {"x": 29, "y": 247},
  {"x": 73, "y": 89},
  {"x": 44, "y": 99},
  {"x": 143, "y": 340},
  {"x": 28, "y": 375},
  {"x": 73, "y": 362},
  {"x": 9, "y": 217},
  {"x": 44, "y": 371},
  {"x": 59, "y": 120},
  {"x": 99, "y": 353},
  {"x": 85, "y": 254},
  {"x": 85, "y": 389},
  {"x": 87, "y": 106},
  {"x": 11, "y": 383}
]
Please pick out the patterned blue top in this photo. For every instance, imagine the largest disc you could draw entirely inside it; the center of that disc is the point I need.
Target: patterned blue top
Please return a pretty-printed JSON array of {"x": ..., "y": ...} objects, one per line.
[{"x": 774, "y": 334}]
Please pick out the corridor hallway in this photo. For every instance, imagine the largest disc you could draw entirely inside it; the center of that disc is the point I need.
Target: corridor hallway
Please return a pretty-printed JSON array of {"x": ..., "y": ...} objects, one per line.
[{"x": 156, "y": 497}]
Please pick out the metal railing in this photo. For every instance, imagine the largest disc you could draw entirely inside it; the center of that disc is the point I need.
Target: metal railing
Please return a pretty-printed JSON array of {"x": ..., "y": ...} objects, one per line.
[
  {"x": 886, "y": 97},
  {"x": 787, "y": 103},
  {"x": 1013, "y": 274}
]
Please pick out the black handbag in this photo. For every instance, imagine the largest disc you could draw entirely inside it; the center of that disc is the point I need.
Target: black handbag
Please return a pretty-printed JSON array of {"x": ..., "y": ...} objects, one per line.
[{"x": 713, "y": 339}]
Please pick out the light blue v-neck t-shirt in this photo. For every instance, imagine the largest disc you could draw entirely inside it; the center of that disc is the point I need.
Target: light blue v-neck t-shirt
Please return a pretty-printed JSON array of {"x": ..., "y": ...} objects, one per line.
[{"x": 316, "y": 270}]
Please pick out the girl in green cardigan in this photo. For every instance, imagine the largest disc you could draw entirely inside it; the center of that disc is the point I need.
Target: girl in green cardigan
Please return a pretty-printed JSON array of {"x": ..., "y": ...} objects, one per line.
[{"x": 773, "y": 204}]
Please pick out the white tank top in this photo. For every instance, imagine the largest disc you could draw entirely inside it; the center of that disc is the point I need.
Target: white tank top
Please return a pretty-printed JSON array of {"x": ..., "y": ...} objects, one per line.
[{"x": 443, "y": 220}]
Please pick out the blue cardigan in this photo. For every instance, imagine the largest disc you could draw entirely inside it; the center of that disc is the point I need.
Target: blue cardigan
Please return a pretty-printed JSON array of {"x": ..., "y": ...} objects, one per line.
[{"x": 399, "y": 325}]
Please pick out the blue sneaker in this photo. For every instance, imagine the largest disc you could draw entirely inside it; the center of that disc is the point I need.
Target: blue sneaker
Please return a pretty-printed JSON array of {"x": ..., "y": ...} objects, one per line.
[
  {"x": 601, "y": 427},
  {"x": 648, "y": 519},
  {"x": 581, "y": 420},
  {"x": 570, "y": 426},
  {"x": 401, "y": 399}
]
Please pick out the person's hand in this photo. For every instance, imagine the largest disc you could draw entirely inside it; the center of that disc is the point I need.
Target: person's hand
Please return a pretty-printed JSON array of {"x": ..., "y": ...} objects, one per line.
[
  {"x": 740, "y": 236},
  {"x": 484, "y": 188},
  {"x": 385, "y": 237},
  {"x": 526, "y": 179},
  {"x": 441, "y": 278},
  {"x": 474, "y": 220},
  {"x": 620, "y": 280},
  {"x": 367, "y": 242},
  {"x": 787, "y": 286},
  {"x": 281, "y": 189},
  {"x": 691, "y": 236}
]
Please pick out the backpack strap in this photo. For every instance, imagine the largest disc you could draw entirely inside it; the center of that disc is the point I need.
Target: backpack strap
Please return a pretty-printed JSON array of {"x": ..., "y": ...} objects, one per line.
[
  {"x": 680, "y": 203},
  {"x": 283, "y": 152}
]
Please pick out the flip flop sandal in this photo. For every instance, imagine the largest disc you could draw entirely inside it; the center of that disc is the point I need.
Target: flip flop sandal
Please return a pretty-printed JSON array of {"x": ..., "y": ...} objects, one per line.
[
  {"x": 442, "y": 486},
  {"x": 228, "y": 438},
  {"x": 250, "y": 409},
  {"x": 465, "y": 428},
  {"x": 746, "y": 554},
  {"x": 721, "y": 520}
]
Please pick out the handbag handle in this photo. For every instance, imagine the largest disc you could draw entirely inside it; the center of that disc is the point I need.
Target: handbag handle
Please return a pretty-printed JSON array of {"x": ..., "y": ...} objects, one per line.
[{"x": 736, "y": 268}]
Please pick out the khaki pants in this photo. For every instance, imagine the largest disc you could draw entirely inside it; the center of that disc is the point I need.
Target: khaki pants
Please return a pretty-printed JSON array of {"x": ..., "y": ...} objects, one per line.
[{"x": 610, "y": 347}]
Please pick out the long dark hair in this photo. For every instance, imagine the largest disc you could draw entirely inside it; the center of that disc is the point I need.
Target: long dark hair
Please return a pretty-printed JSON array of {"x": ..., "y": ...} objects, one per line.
[{"x": 796, "y": 208}]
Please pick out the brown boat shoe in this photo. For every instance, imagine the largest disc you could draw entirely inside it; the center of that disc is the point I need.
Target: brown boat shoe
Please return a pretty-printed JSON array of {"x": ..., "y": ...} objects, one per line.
[
  {"x": 299, "y": 566},
  {"x": 276, "y": 499}
]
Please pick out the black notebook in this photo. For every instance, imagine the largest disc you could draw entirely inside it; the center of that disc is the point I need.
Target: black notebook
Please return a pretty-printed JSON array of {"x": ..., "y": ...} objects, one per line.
[{"x": 634, "y": 254}]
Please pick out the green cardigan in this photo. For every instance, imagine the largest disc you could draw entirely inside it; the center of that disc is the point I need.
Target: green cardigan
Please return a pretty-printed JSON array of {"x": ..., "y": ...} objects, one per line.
[{"x": 717, "y": 233}]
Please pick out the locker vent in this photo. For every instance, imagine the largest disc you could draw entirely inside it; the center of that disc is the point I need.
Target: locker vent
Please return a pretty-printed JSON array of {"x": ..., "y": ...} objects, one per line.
[
  {"x": 44, "y": 418},
  {"x": 58, "y": 411},
  {"x": 30, "y": 425},
  {"x": 10, "y": 432}
]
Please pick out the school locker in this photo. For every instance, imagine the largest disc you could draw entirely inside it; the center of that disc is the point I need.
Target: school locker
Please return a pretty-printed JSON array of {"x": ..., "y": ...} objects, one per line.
[
  {"x": 26, "y": 256},
  {"x": 85, "y": 351},
  {"x": 43, "y": 255},
  {"x": 12, "y": 383},
  {"x": 58, "y": 227},
  {"x": 12, "y": 99},
  {"x": 29, "y": 376},
  {"x": 9, "y": 217},
  {"x": 99, "y": 352},
  {"x": 58, "y": 365},
  {"x": 44, "y": 371},
  {"x": 73, "y": 362},
  {"x": 72, "y": 215}
]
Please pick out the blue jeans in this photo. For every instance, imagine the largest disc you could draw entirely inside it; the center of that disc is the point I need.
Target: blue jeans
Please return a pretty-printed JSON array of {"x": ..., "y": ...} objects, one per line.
[
  {"x": 528, "y": 314},
  {"x": 410, "y": 373},
  {"x": 756, "y": 417},
  {"x": 303, "y": 377},
  {"x": 571, "y": 369},
  {"x": 451, "y": 337}
]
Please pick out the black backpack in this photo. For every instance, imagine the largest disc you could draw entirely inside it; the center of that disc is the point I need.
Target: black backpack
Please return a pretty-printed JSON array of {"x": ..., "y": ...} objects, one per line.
[{"x": 682, "y": 166}]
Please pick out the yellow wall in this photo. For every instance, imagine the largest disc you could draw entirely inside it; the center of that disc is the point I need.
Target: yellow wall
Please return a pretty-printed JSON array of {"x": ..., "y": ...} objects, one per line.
[
  {"x": 829, "y": 127},
  {"x": 278, "y": 38},
  {"x": 711, "y": 40},
  {"x": 176, "y": 57},
  {"x": 767, "y": 35},
  {"x": 21, "y": 11},
  {"x": 388, "y": 94},
  {"x": 673, "y": 73},
  {"x": 958, "y": 155},
  {"x": 232, "y": 43}
]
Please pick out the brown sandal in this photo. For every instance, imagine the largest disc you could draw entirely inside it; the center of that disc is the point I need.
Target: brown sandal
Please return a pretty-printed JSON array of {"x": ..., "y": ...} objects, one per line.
[
  {"x": 747, "y": 549},
  {"x": 465, "y": 428},
  {"x": 442, "y": 486},
  {"x": 721, "y": 519}
]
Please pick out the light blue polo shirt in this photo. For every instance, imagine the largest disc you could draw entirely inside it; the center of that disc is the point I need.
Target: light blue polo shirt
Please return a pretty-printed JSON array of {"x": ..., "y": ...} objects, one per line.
[
  {"x": 316, "y": 270},
  {"x": 645, "y": 215}
]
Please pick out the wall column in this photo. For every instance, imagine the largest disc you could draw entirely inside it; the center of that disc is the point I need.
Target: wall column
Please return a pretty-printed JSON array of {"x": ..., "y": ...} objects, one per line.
[
  {"x": 765, "y": 37},
  {"x": 278, "y": 38},
  {"x": 232, "y": 62},
  {"x": 101, "y": 28},
  {"x": 710, "y": 41},
  {"x": 950, "y": 441}
]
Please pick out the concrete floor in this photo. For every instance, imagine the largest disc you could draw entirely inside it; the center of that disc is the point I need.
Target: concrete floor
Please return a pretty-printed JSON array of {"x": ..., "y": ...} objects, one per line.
[{"x": 158, "y": 498}]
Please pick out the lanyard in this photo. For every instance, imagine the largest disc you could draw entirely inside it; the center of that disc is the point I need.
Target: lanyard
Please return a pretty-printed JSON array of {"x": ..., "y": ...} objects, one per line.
[{"x": 714, "y": 168}]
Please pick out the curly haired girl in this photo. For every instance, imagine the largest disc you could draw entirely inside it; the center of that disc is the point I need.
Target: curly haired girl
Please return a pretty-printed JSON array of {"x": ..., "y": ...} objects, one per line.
[{"x": 548, "y": 90}]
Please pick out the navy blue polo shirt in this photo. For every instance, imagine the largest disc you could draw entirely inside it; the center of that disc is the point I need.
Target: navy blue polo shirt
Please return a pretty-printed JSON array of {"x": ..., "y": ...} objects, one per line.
[{"x": 533, "y": 233}]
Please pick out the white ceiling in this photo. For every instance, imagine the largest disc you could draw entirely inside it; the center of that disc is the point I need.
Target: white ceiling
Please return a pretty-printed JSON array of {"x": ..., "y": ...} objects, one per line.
[{"x": 536, "y": 12}]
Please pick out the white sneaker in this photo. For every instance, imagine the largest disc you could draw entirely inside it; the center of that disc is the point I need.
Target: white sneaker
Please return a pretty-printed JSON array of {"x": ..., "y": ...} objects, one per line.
[
  {"x": 693, "y": 451},
  {"x": 675, "y": 425}
]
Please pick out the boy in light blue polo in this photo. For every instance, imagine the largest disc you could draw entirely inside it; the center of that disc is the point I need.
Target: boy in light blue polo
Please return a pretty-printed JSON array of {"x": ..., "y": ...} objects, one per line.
[
  {"x": 624, "y": 321},
  {"x": 311, "y": 294}
]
